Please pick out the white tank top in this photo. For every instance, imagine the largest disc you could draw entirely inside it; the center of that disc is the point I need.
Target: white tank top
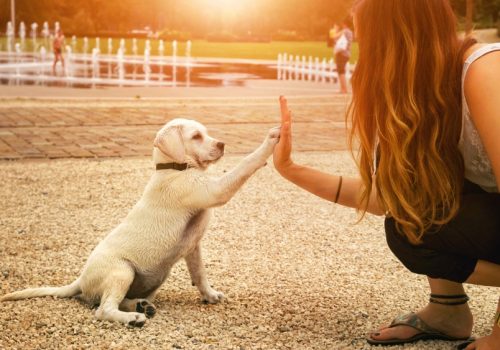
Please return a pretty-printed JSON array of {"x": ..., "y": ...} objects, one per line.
[{"x": 478, "y": 167}]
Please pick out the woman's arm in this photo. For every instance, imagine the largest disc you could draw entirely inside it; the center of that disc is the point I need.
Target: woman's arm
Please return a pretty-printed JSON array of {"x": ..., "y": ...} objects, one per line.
[
  {"x": 482, "y": 91},
  {"x": 318, "y": 183}
]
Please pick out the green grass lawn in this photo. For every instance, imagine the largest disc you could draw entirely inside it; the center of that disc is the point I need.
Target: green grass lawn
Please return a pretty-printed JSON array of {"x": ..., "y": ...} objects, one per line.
[
  {"x": 268, "y": 51},
  {"x": 202, "y": 48}
]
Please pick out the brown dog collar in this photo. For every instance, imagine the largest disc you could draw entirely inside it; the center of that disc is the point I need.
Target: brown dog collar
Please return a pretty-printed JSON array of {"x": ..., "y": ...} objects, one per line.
[{"x": 175, "y": 166}]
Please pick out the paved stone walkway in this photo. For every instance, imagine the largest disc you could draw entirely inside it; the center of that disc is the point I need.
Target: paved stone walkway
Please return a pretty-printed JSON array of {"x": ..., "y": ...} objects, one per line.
[{"x": 121, "y": 128}]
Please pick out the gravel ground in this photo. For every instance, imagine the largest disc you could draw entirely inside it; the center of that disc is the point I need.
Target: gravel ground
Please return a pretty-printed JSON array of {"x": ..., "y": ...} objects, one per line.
[{"x": 298, "y": 272}]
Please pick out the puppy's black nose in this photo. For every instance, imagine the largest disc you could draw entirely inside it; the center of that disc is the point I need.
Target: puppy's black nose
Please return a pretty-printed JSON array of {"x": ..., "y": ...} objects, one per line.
[{"x": 220, "y": 145}]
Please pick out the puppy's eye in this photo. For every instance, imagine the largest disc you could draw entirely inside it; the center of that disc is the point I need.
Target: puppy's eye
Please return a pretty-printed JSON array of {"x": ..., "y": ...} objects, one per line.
[{"x": 197, "y": 136}]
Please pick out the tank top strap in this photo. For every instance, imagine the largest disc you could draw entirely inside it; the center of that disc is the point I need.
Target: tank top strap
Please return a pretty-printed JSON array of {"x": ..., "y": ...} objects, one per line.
[{"x": 478, "y": 54}]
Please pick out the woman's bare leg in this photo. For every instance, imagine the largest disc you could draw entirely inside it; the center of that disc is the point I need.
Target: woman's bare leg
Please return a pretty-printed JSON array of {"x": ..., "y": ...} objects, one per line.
[
  {"x": 63, "y": 67},
  {"x": 343, "y": 84},
  {"x": 485, "y": 274},
  {"x": 54, "y": 65}
]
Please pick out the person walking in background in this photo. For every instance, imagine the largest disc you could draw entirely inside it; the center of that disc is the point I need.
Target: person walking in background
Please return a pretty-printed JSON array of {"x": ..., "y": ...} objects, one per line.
[
  {"x": 58, "y": 45},
  {"x": 425, "y": 120},
  {"x": 342, "y": 52}
]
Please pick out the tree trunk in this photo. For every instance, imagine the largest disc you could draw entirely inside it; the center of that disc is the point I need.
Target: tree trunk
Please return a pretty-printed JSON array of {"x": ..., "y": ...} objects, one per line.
[{"x": 469, "y": 15}]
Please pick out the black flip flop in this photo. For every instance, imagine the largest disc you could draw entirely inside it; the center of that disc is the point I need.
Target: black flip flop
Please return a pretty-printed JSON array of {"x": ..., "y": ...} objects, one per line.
[
  {"x": 464, "y": 345},
  {"x": 413, "y": 321}
]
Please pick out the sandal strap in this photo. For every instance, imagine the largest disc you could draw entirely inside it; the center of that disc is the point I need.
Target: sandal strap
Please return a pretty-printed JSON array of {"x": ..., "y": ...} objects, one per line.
[{"x": 412, "y": 320}]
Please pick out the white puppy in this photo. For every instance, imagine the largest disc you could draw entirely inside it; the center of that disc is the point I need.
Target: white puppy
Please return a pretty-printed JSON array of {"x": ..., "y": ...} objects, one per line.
[{"x": 125, "y": 270}]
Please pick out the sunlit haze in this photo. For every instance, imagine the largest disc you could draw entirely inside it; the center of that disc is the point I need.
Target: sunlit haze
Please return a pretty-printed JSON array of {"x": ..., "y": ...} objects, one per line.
[{"x": 226, "y": 5}]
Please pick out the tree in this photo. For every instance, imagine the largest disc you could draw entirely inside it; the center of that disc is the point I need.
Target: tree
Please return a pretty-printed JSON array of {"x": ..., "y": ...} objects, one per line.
[
  {"x": 309, "y": 19},
  {"x": 469, "y": 16}
]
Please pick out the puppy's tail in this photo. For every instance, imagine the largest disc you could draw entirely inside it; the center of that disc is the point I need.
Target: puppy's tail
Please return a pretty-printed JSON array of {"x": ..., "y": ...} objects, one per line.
[{"x": 61, "y": 292}]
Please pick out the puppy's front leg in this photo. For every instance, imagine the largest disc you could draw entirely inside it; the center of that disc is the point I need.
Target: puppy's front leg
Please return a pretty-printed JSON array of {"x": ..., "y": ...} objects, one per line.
[
  {"x": 218, "y": 191},
  {"x": 226, "y": 186},
  {"x": 199, "y": 277}
]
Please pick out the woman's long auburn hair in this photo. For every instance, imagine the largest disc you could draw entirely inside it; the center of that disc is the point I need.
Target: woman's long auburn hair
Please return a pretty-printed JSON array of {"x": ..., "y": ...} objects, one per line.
[{"x": 406, "y": 110}]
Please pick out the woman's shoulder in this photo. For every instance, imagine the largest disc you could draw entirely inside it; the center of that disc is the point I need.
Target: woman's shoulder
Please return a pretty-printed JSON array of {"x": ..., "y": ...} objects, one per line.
[
  {"x": 481, "y": 64},
  {"x": 483, "y": 61},
  {"x": 476, "y": 48},
  {"x": 481, "y": 74}
]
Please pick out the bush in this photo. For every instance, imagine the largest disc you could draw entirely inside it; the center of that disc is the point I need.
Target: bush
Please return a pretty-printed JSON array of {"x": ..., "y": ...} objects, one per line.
[
  {"x": 288, "y": 35},
  {"x": 221, "y": 37}
]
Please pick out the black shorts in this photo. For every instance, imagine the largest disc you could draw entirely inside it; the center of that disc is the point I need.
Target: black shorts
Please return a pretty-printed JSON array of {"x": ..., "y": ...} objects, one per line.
[
  {"x": 341, "y": 59},
  {"x": 452, "y": 252}
]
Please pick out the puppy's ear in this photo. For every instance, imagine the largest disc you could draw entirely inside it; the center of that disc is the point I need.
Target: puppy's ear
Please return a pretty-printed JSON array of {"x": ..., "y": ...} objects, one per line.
[{"x": 169, "y": 141}]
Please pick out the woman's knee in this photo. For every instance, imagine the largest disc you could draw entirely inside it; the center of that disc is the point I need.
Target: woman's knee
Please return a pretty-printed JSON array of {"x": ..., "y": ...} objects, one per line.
[
  {"x": 414, "y": 259},
  {"x": 425, "y": 261}
]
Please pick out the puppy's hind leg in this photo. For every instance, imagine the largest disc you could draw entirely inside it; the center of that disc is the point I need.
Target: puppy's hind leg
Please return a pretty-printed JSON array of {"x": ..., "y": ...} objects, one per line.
[
  {"x": 116, "y": 286},
  {"x": 199, "y": 277}
]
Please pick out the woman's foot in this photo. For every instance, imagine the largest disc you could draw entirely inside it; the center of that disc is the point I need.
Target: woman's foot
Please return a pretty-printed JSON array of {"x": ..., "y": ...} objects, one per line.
[
  {"x": 454, "y": 321},
  {"x": 490, "y": 342}
]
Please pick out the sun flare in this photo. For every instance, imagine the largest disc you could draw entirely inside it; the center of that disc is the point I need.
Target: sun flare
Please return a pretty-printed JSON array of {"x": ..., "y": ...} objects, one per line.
[{"x": 226, "y": 5}]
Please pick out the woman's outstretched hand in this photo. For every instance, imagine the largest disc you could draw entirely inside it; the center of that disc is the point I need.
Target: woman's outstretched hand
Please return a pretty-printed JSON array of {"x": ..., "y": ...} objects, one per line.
[{"x": 282, "y": 152}]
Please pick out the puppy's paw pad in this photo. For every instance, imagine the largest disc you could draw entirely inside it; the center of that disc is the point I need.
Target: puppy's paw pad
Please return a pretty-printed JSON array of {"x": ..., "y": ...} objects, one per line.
[
  {"x": 150, "y": 311},
  {"x": 146, "y": 307},
  {"x": 139, "y": 307},
  {"x": 137, "y": 321},
  {"x": 137, "y": 324}
]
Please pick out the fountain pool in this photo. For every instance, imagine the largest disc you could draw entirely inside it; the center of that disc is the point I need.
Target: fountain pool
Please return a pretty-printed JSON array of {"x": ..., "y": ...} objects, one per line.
[{"x": 94, "y": 67}]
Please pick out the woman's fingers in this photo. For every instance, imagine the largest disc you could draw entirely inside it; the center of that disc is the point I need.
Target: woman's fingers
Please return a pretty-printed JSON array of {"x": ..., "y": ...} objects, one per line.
[
  {"x": 285, "y": 134},
  {"x": 286, "y": 120},
  {"x": 285, "y": 113},
  {"x": 283, "y": 150}
]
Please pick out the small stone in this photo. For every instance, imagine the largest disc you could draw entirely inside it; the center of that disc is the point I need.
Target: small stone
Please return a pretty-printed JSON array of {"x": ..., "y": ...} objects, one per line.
[
  {"x": 284, "y": 329},
  {"x": 176, "y": 346},
  {"x": 5, "y": 273},
  {"x": 40, "y": 324}
]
